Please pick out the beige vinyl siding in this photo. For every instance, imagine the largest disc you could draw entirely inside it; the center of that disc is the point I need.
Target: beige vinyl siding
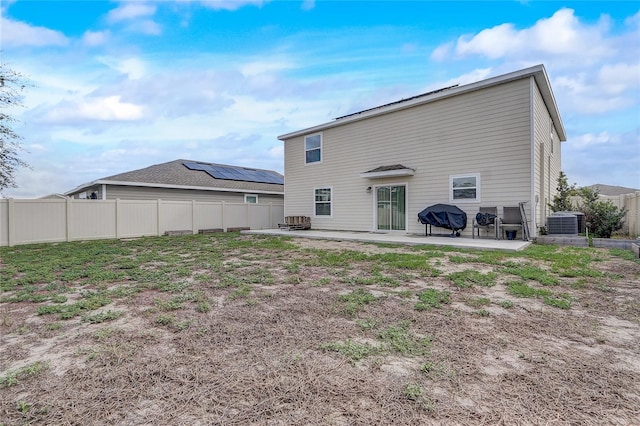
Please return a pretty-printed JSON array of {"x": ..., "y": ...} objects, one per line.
[
  {"x": 148, "y": 193},
  {"x": 546, "y": 189},
  {"x": 484, "y": 132}
]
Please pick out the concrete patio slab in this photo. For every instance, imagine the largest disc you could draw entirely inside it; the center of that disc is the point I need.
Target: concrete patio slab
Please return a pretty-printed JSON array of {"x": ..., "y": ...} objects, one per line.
[{"x": 392, "y": 238}]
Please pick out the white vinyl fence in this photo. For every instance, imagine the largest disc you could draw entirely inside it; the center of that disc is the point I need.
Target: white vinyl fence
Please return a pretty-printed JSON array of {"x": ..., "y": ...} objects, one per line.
[
  {"x": 45, "y": 220},
  {"x": 632, "y": 203}
]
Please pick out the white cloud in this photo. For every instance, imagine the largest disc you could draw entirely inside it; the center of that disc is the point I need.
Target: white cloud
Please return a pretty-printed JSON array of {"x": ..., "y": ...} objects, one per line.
[
  {"x": 230, "y": 4},
  {"x": 16, "y": 33},
  {"x": 308, "y": 4},
  {"x": 95, "y": 38},
  {"x": 261, "y": 67},
  {"x": 561, "y": 36},
  {"x": 137, "y": 15},
  {"x": 470, "y": 77},
  {"x": 128, "y": 11},
  {"x": 493, "y": 43},
  {"x": 615, "y": 79},
  {"x": 146, "y": 26},
  {"x": 634, "y": 20},
  {"x": 612, "y": 87},
  {"x": 101, "y": 109},
  {"x": 134, "y": 68},
  {"x": 590, "y": 139}
]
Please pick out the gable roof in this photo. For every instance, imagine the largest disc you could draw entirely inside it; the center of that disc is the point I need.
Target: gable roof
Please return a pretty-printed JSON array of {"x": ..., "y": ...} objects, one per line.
[
  {"x": 175, "y": 174},
  {"x": 538, "y": 72}
]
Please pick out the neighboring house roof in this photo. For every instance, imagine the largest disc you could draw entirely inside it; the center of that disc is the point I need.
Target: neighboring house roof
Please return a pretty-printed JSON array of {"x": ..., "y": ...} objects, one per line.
[
  {"x": 538, "y": 72},
  {"x": 612, "y": 190},
  {"x": 53, "y": 196},
  {"x": 175, "y": 174}
]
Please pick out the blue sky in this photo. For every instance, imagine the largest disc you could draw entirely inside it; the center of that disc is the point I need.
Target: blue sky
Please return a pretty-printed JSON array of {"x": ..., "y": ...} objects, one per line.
[{"x": 121, "y": 85}]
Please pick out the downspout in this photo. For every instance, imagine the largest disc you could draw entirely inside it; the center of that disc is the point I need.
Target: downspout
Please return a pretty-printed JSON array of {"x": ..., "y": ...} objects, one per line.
[
  {"x": 532, "y": 198},
  {"x": 104, "y": 191}
]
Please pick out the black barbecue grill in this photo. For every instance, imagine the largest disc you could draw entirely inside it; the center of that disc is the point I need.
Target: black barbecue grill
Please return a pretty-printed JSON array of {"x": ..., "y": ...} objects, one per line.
[{"x": 443, "y": 216}]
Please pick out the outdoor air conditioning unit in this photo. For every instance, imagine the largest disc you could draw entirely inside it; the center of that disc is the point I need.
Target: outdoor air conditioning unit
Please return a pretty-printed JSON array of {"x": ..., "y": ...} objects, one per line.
[
  {"x": 562, "y": 223},
  {"x": 582, "y": 224}
]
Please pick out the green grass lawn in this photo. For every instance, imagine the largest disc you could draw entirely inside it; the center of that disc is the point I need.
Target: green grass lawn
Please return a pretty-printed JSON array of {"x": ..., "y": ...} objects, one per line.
[{"x": 242, "y": 329}]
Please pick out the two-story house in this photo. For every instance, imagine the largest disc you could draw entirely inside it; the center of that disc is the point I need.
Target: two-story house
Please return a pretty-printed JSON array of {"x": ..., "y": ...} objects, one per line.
[{"x": 495, "y": 143}]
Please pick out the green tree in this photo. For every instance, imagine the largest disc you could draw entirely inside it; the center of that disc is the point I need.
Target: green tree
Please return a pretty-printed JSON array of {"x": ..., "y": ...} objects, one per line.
[
  {"x": 564, "y": 192},
  {"x": 603, "y": 217},
  {"x": 12, "y": 87}
]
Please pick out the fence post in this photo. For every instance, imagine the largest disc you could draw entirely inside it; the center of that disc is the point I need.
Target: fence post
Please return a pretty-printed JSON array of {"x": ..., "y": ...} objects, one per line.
[
  {"x": 69, "y": 218},
  {"x": 117, "y": 218},
  {"x": 11, "y": 235},
  {"x": 248, "y": 224},
  {"x": 193, "y": 217},
  {"x": 159, "y": 218},
  {"x": 271, "y": 215},
  {"x": 222, "y": 216}
]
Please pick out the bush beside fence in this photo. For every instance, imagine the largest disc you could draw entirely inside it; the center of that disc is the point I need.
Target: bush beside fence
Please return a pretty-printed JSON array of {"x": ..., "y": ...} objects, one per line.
[
  {"x": 44, "y": 220},
  {"x": 629, "y": 201}
]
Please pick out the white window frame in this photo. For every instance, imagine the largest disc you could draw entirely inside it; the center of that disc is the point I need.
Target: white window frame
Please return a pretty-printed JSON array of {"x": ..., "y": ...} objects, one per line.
[
  {"x": 250, "y": 195},
  {"x": 315, "y": 202},
  {"x": 313, "y": 149},
  {"x": 464, "y": 200}
]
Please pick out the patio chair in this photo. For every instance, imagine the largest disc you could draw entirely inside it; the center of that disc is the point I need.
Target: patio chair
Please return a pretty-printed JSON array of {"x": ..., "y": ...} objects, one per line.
[
  {"x": 486, "y": 219},
  {"x": 511, "y": 221}
]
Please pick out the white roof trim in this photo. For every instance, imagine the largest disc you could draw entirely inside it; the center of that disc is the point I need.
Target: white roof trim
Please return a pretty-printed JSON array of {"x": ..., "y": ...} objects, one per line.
[
  {"x": 388, "y": 173},
  {"x": 538, "y": 72},
  {"x": 163, "y": 185}
]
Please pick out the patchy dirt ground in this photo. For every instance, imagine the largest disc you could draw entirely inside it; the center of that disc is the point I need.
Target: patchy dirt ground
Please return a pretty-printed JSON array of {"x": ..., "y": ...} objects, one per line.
[{"x": 328, "y": 333}]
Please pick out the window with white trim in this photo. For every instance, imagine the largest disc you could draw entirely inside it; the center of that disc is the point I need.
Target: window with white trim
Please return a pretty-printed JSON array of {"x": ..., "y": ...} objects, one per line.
[
  {"x": 313, "y": 148},
  {"x": 322, "y": 202},
  {"x": 251, "y": 198},
  {"x": 464, "y": 188}
]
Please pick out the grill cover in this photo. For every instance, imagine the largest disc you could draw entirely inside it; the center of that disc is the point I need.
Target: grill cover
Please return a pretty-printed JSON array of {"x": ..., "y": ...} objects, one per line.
[{"x": 444, "y": 216}]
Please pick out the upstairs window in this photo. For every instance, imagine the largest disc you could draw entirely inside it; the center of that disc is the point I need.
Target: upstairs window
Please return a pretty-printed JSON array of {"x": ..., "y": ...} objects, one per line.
[
  {"x": 464, "y": 188},
  {"x": 313, "y": 148}
]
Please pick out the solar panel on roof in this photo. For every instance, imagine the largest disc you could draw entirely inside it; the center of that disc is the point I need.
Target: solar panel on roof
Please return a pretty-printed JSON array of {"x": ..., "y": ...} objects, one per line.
[
  {"x": 194, "y": 166},
  {"x": 236, "y": 173}
]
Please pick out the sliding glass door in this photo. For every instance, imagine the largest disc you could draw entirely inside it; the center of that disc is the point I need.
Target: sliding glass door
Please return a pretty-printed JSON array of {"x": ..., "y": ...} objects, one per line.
[{"x": 391, "y": 204}]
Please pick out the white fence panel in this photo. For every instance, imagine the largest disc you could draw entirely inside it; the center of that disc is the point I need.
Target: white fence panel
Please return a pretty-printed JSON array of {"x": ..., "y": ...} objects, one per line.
[
  {"x": 33, "y": 221},
  {"x": 209, "y": 215},
  {"x": 631, "y": 202},
  {"x": 136, "y": 218},
  {"x": 176, "y": 216},
  {"x": 37, "y": 221},
  {"x": 236, "y": 215},
  {"x": 258, "y": 216},
  {"x": 277, "y": 215},
  {"x": 92, "y": 219}
]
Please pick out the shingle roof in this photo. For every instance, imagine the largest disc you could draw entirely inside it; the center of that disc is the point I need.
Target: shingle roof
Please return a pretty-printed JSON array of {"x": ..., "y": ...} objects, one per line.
[
  {"x": 388, "y": 168},
  {"x": 175, "y": 173},
  {"x": 612, "y": 190}
]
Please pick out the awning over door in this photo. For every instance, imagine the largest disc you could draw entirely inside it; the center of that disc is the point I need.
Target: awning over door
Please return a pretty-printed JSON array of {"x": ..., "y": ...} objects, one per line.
[{"x": 388, "y": 171}]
